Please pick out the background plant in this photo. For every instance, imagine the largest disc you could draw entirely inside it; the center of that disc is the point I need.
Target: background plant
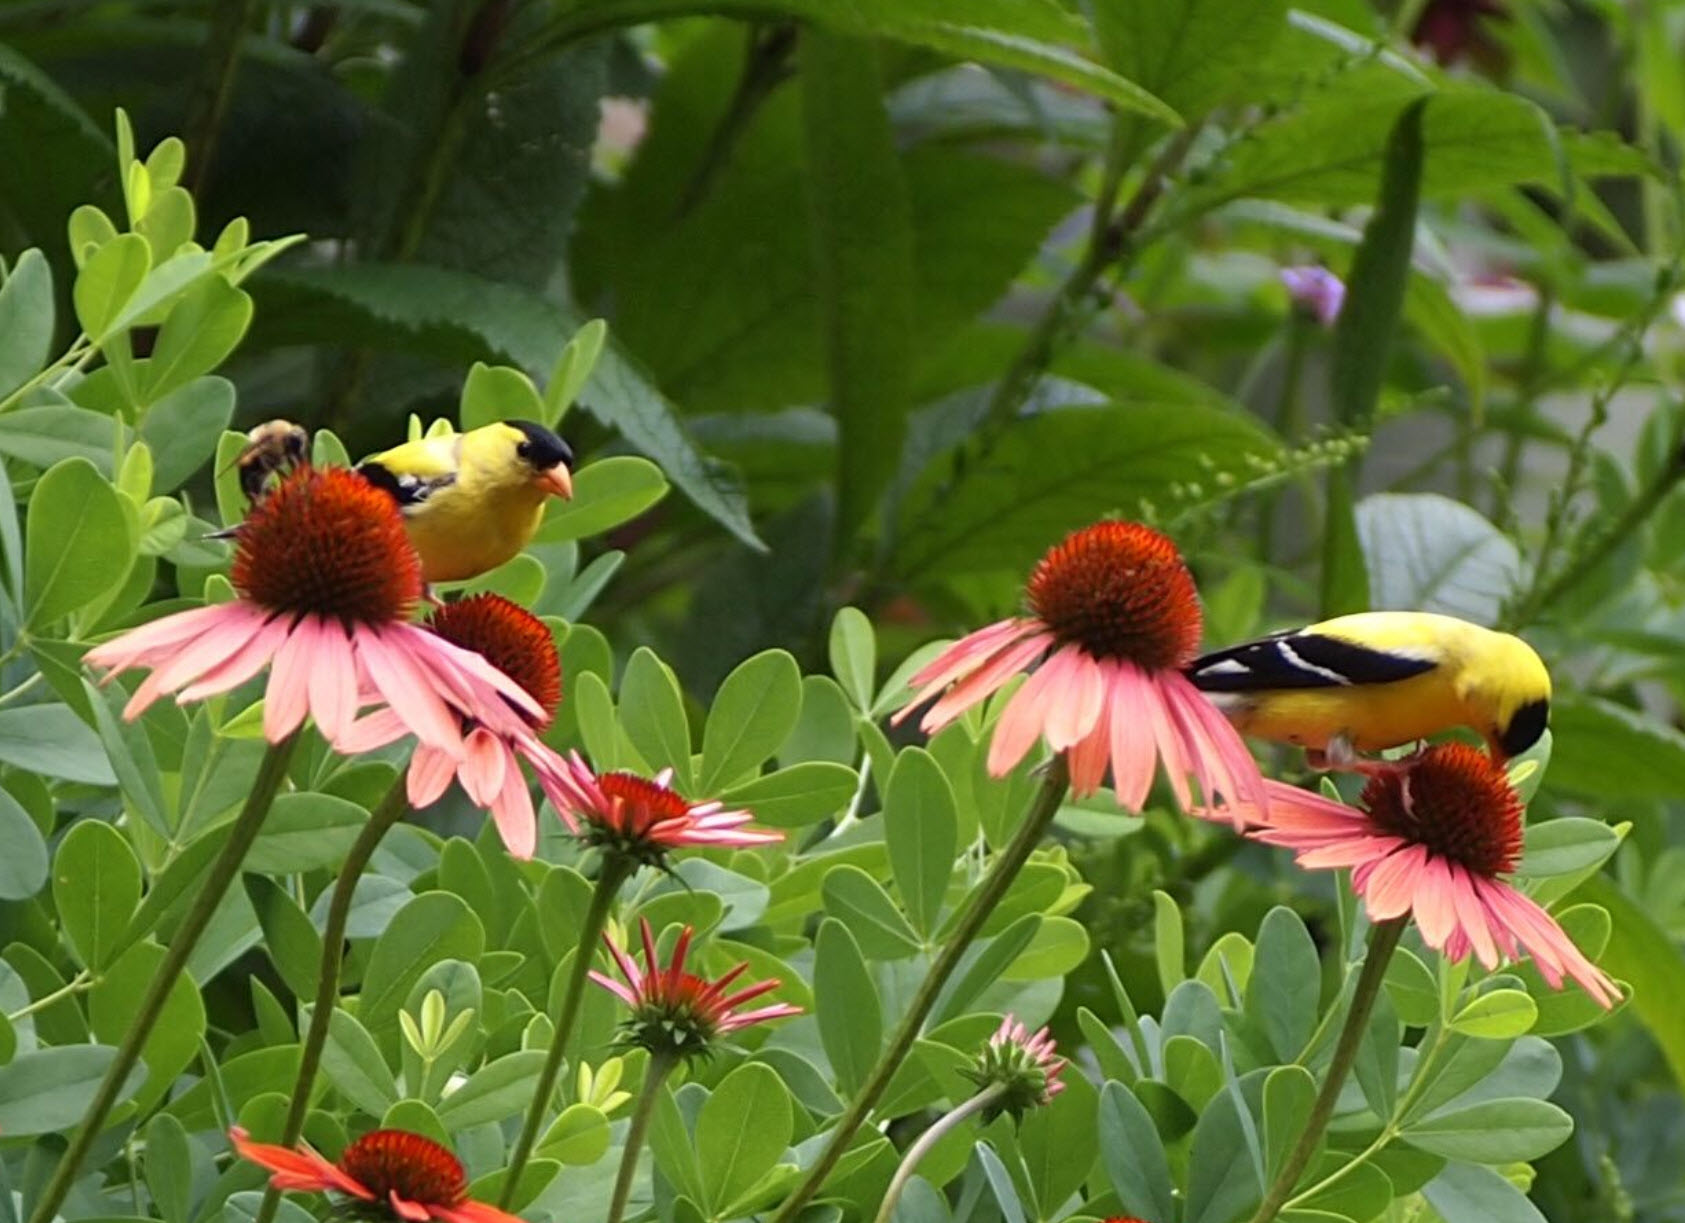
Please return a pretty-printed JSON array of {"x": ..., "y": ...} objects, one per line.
[{"x": 896, "y": 295}]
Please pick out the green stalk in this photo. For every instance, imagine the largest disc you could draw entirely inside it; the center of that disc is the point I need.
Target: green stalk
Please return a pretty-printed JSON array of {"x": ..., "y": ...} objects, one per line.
[
  {"x": 223, "y": 870},
  {"x": 1005, "y": 869},
  {"x": 660, "y": 1066},
  {"x": 940, "y": 1129},
  {"x": 392, "y": 808},
  {"x": 1383, "y": 940},
  {"x": 616, "y": 870}
]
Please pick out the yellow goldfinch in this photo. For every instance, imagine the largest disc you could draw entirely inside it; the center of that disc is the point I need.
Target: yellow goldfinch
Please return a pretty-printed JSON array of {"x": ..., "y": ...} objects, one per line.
[
  {"x": 1377, "y": 680},
  {"x": 473, "y": 500}
]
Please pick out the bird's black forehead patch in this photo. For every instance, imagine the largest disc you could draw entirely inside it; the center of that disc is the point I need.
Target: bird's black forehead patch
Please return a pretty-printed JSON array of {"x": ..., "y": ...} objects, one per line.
[
  {"x": 1525, "y": 727},
  {"x": 542, "y": 448}
]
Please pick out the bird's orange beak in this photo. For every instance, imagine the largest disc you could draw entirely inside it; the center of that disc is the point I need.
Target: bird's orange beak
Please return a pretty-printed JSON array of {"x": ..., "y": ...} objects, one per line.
[{"x": 558, "y": 482}]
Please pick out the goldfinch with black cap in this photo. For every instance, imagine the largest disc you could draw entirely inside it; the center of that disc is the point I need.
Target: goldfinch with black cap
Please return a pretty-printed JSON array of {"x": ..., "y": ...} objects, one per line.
[
  {"x": 471, "y": 501},
  {"x": 1377, "y": 680}
]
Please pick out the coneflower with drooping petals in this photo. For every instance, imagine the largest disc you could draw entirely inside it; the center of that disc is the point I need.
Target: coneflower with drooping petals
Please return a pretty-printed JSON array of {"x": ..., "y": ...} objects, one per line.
[
  {"x": 675, "y": 1013},
  {"x": 1024, "y": 1065},
  {"x": 327, "y": 581},
  {"x": 520, "y": 646},
  {"x": 1435, "y": 839},
  {"x": 1115, "y": 619},
  {"x": 640, "y": 819},
  {"x": 413, "y": 1178}
]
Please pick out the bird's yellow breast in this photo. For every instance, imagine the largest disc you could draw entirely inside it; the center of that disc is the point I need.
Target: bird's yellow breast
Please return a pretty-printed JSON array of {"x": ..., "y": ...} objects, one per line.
[
  {"x": 457, "y": 539},
  {"x": 1371, "y": 719}
]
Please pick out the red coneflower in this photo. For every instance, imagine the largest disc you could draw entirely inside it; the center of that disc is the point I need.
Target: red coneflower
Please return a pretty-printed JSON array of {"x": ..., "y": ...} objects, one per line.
[
  {"x": 520, "y": 646},
  {"x": 1025, "y": 1066},
  {"x": 1115, "y": 620},
  {"x": 413, "y": 1177},
  {"x": 641, "y": 818},
  {"x": 676, "y": 1013},
  {"x": 1433, "y": 840},
  {"x": 327, "y": 581}
]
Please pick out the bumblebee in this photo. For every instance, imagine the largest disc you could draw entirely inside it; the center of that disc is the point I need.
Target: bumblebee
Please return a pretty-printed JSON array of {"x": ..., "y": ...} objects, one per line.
[{"x": 272, "y": 448}]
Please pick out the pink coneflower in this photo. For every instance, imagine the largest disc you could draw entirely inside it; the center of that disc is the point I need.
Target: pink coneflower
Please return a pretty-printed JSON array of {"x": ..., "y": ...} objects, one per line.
[
  {"x": 1433, "y": 840},
  {"x": 1315, "y": 290},
  {"x": 520, "y": 646},
  {"x": 1024, "y": 1065},
  {"x": 327, "y": 580},
  {"x": 678, "y": 1014},
  {"x": 639, "y": 818},
  {"x": 1115, "y": 620},
  {"x": 413, "y": 1177}
]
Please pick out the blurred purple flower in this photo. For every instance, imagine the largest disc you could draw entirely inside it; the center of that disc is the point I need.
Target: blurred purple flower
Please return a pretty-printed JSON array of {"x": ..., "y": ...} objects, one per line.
[{"x": 1315, "y": 290}]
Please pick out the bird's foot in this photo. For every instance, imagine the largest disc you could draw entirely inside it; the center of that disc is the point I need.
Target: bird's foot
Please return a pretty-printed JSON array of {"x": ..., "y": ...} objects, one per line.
[{"x": 1339, "y": 756}]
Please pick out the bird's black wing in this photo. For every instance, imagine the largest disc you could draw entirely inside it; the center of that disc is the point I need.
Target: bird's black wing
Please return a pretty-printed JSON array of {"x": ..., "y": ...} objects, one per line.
[
  {"x": 1301, "y": 660},
  {"x": 407, "y": 491}
]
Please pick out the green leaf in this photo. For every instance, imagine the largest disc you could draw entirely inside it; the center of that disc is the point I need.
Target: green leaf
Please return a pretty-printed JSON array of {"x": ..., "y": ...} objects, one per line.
[
  {"x": 174, "y": 1041},
  {"x": 493, "y": 1093},
  {"x": 96, "y": 889},
  {"x": 1192, "y": 54},
  {"x": 1501, "y": 1014},
  {"x": 863, "y": 234},
  {"x": 23, "y": 852},
  {"x": 1466, "y": 1193},
  {"x": 1380, "y": 268},
  {"x": 1376, "y": 1066},
  {"x": 573, "y": 369},
  {"x": 742, "y": 1130},
  {"x": 80, "y": 542},
  {"x": 578, "y": 1137},
  {"x": 1612, "y": 752},
  {"x": 304, "y": 832},
  {"x": 652, "y": 713},
  {"x": 169, "y": 1168},
  {"x": 53, "y": 741},
  {"x": 183, "y": 428},
  {"x": 796, "y": 796},
  {"x": 492, "y": 393},
  {"x": 1167, "y": 943},
  {"x": 1493, "y": 1131},
  {"x": 1222, "y": 1177},
  {"x": 752, "y": 714},
  {"x": 353, "y": 1063},
  {"x": 49, "y": 1089},
  {"x": 26, "y": 321},
  {"x": 853, "y": 653},
  {"x": 846, "y": 1002},
  {"x": 1426, "y": 552},
  {"x": 434, "y": 926},
  {"x": 858, "y": 901},
  {"x": 1289, "y": 1093},
  {"x": 1003, "y": 512},
  {"x": 289, "y": 936},
  {"x": 1286, "y": 982},
  {"x": 108, "y": 282},
  {"x": 921, "y": 828},
  {"x": 606, "y": 494},
  {"x": 983, "y": 964},
  {"x": 197, "y": 335},
  {"x": 1641, "y": 952}
]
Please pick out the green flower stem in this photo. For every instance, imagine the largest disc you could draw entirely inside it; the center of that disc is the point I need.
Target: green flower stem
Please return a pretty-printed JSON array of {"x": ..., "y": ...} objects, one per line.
[
  {"x": 1383, "y": 940},
  {"x": 660, "y": 1066},
  {"x": 942, "y": 1127},
  {"x": 616, "y": 870},
  {"x": 392, "y": 808},
  {"x": 1043, "y": 807},
  {"x": 270, "y": 774}
]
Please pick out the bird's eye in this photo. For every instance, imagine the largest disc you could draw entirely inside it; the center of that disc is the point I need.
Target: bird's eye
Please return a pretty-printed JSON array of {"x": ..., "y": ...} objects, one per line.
[{"x": 524, "y": 449}]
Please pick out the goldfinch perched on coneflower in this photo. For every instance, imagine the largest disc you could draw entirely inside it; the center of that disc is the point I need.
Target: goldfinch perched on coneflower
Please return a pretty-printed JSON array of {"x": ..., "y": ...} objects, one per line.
[
  {"x": 473, "y": 500},
  {"x": 1378, "y": 680}
]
